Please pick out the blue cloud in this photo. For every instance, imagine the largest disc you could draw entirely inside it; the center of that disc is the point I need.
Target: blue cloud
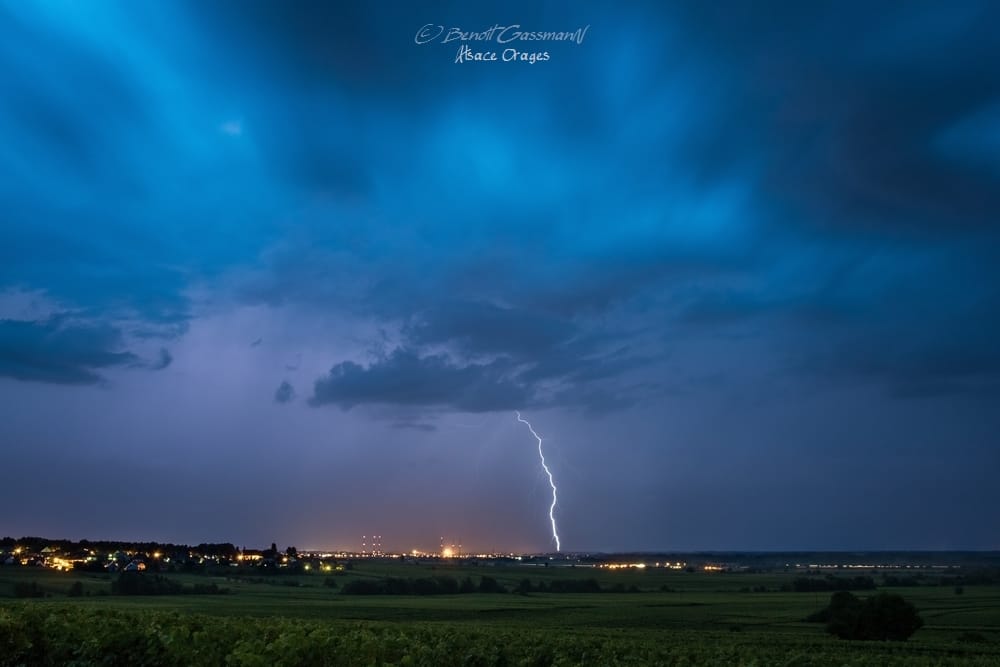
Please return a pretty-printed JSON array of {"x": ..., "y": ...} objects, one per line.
[
  {"x": 60, "y": 351},
  {"x": 692, "y": 176},
  {"x": 285, "y": 393},
  {"x": 406, "y": 378},
  {"x": 164, "y": 360}
]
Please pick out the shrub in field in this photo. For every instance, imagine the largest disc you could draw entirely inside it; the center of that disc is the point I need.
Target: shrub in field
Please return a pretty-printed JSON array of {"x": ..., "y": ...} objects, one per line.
[
  {"x": 576, "y": 586},
  {"x": 206, "y": 589},
  {"x": 408, "y": 586},
  {"x": 362, "y": 587},
  {"x": 891, "y": 580},
  {"x": 490, "y": 585},
  {"x": 831, "y": 583},
  {"x": 28, "y": 589},
  {"x": 137, "y": 583},
  {"x": 883, "y": 616}
]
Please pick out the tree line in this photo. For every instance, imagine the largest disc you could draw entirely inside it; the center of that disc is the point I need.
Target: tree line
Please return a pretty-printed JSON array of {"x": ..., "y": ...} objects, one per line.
[{"x": 444, "y": 585}]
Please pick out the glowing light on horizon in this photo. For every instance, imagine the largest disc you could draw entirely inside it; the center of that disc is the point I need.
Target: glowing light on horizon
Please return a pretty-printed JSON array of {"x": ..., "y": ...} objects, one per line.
[{"x": 552, "y": 482}]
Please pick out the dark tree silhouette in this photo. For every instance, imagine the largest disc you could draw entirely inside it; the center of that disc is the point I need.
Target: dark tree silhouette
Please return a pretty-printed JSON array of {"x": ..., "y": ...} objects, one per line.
[
  {"x": 490, "y": 585},
  {"x": 883, "y": 616}
]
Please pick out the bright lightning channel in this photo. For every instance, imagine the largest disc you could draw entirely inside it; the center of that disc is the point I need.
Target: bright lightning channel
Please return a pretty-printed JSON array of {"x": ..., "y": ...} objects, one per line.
[{"x": 552, "y": 483}]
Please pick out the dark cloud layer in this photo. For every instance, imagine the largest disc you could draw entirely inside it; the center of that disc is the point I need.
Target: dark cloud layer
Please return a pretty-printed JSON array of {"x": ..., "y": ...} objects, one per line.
[
  {"x": 60, "y": 351},
  {"x": 508, "y": 234},
  {"x": 164, "y": 360},
  {"x": 285, "y": 393},
  {"x": 415, "y": 426},
  {"x": 703, "y": 204},
  {"x": 406, "y": 378}
]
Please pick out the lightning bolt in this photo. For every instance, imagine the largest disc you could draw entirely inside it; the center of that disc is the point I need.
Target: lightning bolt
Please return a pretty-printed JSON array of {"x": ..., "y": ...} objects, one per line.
[{"x": 552, "y": 483}]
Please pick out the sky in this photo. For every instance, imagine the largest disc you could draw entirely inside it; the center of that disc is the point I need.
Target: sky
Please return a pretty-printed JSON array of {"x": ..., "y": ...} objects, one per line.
[{"x": 284, "y": 272}]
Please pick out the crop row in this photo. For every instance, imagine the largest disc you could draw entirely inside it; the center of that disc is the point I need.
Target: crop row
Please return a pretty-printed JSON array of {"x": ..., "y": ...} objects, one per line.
[{"x": 46, "y": 634}]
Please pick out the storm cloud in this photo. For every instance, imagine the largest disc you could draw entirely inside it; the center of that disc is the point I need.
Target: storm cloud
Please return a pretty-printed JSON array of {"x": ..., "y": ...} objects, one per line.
[
  {"x": 406, "y": 378},
  {"x": 60, "y": 351},
  {"x": 714, "y": 235},
  {"x": 285, "y": 393}
]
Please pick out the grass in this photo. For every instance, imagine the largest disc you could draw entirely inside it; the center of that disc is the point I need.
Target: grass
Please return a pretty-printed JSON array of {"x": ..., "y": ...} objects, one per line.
[{"x": 698, "y": 607}]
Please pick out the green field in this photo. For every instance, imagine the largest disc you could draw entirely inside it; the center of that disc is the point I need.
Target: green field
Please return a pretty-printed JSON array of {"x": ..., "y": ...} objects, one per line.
[{"x": 675, "y": 618}]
